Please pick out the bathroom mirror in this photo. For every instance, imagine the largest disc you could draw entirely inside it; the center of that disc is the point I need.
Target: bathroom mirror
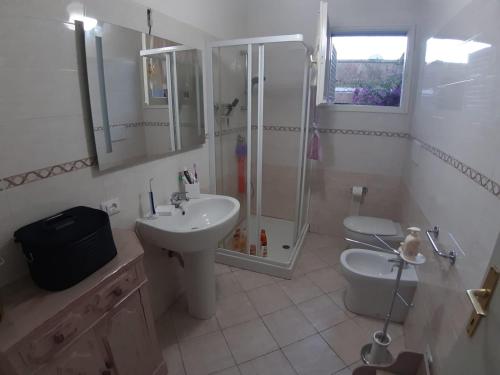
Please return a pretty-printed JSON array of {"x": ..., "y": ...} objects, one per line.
[{"x": 146, "y": 95}]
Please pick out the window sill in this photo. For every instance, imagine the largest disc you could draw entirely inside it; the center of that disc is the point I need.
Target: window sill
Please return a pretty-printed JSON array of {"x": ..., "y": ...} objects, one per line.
[{"x": 367, "y": 108}]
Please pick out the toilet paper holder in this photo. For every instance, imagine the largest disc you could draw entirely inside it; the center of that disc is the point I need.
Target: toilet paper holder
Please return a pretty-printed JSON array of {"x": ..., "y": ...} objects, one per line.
[{"x": 359, "y": 192}]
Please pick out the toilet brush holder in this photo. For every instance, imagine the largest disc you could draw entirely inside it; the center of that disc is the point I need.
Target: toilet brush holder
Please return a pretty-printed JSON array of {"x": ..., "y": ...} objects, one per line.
[{"x": 377, "y": 353}]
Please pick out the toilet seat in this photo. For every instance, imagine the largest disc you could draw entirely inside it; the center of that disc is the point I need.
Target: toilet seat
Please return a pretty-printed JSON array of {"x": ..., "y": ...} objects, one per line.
[
  {"x": 363, "y": 229},
  {"x": 371, "y": 225}
]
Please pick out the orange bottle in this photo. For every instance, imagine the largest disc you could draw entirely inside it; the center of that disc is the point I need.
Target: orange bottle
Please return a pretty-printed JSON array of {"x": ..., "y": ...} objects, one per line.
[
  {"x": 243, "y": 242},
  {"x": 253, "y": 249},
  {"x": 263, "y": 243},
  {"x": 236, "y": 239}
]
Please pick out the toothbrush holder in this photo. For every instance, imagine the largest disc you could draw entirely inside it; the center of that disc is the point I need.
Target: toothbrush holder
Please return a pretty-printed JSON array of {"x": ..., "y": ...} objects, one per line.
[{"x": 192, "y": 190}]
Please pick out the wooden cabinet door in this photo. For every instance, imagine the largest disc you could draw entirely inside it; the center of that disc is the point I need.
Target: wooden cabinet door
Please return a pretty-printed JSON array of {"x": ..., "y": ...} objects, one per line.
[
  {"x": 84, "y": 357},
  {"x": 126, "y": 336}
]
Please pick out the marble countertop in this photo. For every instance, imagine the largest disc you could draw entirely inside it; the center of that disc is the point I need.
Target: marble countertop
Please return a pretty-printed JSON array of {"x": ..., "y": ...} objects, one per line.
[{"x": 26, "y": 306}]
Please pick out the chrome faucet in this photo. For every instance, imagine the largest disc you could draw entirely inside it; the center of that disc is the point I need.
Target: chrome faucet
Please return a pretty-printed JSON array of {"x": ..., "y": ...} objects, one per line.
[
  {"x": 396, "y": 262},
  {"x": 177, "y": 198}
]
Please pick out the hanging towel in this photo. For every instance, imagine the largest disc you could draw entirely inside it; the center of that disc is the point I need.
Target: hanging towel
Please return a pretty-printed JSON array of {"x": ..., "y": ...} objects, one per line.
[{"x": 314, "y": 151}]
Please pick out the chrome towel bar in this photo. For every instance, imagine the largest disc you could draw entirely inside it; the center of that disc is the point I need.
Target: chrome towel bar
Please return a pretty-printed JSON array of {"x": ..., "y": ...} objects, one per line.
[{"x": 432, "y": 235}]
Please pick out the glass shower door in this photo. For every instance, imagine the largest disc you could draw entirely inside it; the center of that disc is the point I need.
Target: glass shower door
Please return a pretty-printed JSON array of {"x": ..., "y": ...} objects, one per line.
[
  {"x": 282, "y": 146},
  {"x": 229, "y": 73}
]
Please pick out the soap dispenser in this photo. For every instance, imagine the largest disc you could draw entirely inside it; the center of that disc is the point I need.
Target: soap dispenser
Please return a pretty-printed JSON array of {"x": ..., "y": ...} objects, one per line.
[{"x": 411, "y": 243}]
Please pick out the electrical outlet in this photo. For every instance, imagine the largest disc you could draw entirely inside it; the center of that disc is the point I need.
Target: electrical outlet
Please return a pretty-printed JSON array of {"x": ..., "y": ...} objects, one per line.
[{"x": 111, "y": 207}]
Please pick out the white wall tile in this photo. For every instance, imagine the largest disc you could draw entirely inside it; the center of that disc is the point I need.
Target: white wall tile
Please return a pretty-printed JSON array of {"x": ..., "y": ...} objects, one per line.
[{"x": 456, "y": 110}]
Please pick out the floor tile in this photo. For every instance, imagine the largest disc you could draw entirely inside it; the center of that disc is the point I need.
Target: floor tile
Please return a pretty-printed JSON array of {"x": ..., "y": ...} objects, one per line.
[
  {"x": 397, "y": 346},
  {"x": 221, "y": 269},
  {"x": 268, "y": 299},
  {"x": 300, "y": 289},
  {"x": 314, "y": 241},
  {"x": 165, "y": 330},
  {"x": 187, "y": 327},
  {"x": 312, "y": 356},
  {"x": 250, "y": 280},
  {"x": 338, "y": 298},
  {"x": 249, "y": 340},
  {"x": 235, "y": 309},
  {"x": 327, "y": 279},
  {"x": 322, "y": 312},
  {"x": 371, "y": 325},
  {"x": 173, "y": 359},
  {"x": 288, "y": 325},
  {"x": 344, "y": 371},
  {"x": 330, "y": 255},
  {"x": 205, "y": 354},
  {"x": 230, "y": 371},
  {"x": 226, "y": 285},
  {"x": 346, "y": 339},
  {"x": 308, "y": 262},
  {"x": 274, "y": 363}
]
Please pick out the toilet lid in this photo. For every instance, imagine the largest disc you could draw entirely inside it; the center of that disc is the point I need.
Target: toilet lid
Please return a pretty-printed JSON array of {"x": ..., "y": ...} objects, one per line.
[{"x": 371, "y": 225}]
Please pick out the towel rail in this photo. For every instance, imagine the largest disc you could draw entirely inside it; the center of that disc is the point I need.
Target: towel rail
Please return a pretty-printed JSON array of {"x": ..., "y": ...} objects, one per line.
[{"x": 452, "y": 255}]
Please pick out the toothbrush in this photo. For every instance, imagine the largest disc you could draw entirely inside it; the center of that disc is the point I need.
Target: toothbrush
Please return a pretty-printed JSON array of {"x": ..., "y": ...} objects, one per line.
[
  {"x": 195, "y": 173},
  {"x": 188, "y": 176},
  {"x": 151, "y": 198}
]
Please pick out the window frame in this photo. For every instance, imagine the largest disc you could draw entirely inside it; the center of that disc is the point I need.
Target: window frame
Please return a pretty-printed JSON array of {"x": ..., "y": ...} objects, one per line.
[{"x": 407, "y": 69}]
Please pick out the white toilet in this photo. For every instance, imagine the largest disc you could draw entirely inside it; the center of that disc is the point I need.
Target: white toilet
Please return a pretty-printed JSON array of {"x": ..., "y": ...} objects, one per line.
[
  {"x": 363, "y": 229},
  {"x": 371, "y": 280}
]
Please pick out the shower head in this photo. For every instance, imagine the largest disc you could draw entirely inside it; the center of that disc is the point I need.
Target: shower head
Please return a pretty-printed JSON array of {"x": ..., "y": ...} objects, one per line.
[{"x": 231, "y": 106}]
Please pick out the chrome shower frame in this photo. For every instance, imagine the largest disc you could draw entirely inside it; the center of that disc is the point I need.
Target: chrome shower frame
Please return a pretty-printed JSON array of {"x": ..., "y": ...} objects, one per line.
[{"x": 258, "y": 45}]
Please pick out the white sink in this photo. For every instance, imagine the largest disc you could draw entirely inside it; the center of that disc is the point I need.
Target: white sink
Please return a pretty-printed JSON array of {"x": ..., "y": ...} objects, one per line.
[
  {"x": 194, "y": 231},
  {"x": 205, "y": 222}
]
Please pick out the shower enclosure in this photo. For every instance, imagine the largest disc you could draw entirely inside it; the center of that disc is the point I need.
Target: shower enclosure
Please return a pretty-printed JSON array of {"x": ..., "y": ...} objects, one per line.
[{"x": 258, "y": 133}]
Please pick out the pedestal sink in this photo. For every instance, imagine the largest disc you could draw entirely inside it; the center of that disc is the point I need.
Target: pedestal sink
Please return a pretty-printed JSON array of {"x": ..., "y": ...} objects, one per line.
[{"x": 194, "y": 232}]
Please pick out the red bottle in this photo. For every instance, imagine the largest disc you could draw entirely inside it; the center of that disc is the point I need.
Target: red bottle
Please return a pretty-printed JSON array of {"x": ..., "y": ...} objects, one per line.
[{"x": 263, "y": 243}]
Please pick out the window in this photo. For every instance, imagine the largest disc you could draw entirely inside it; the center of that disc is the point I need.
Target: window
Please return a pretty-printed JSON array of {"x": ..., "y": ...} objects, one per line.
[{"x": 370, "y": 69}]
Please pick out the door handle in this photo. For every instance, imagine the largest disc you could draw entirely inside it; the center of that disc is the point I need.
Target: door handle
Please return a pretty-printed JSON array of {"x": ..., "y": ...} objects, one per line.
[
  {"x": 480, "y": 299},
  {"x": 474, "y": 295}
]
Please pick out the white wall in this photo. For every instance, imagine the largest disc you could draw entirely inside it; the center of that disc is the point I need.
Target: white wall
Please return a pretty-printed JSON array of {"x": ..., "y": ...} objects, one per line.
[
  {"x": 42, "y": 124},
  {"x": 373, "y": 161},
  {"x": 456, "y": 111},
  {"x": 224, "y": 19}
]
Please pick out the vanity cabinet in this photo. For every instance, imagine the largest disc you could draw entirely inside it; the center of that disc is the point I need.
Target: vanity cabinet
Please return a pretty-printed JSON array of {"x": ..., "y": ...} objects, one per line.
[
  {"x": 84, "y": 357},
  {"x": 101, "y": 326},
  {"x": 126, "y": 335}
]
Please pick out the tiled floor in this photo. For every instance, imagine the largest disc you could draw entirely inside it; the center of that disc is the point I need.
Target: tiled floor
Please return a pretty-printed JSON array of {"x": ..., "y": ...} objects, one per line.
[{"x": 269, "y": 326}]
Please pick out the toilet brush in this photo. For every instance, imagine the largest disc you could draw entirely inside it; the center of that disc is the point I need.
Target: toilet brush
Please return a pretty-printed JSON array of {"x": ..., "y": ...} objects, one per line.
[{"x": 377, "y": 352}]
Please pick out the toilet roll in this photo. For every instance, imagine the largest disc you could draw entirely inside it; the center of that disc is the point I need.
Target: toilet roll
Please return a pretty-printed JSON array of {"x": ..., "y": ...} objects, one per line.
[{"x": 358, "y": 194}]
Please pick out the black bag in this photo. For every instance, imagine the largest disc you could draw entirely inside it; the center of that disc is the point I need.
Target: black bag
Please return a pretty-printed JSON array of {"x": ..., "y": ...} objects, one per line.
[{"x": 65, "y": 248}]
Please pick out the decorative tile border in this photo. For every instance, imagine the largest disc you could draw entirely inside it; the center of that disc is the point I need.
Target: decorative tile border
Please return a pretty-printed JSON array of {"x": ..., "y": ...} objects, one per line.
[
  {"x": 43, "y": 173},
  {"x": 374, "y": 133},
  {"x": 479, "y": 178},
  {"x": 139, "y": 124},
  {"x": 485, "y": 182}
]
